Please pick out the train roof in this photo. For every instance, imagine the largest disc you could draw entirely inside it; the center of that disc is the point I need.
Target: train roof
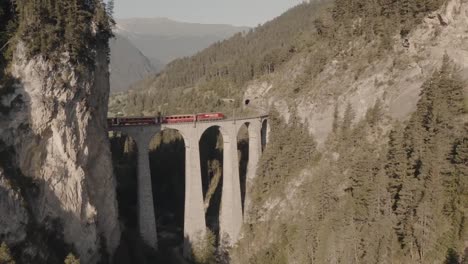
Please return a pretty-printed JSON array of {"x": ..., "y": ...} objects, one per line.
[
  {"x": 180, "y": 115},
  {"x": 216, "y": 113}
]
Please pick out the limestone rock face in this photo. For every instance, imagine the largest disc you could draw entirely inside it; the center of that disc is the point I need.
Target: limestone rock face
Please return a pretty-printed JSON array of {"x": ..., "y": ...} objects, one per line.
[
  {"x": 60, "y": 141},
  {"x": 394, "y": 80}
]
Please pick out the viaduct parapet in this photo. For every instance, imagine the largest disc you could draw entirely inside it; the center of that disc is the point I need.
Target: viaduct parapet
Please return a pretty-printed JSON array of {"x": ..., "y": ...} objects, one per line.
[{"x": 231, "y": 214}]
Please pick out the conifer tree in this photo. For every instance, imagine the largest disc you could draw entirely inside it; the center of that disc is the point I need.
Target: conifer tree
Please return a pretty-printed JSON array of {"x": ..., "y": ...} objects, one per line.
[
  {"x": 374, "y": 114},
  {"x": 5, "y": 254},
  {"x": 395, "y": 168},
  {"x": 336, "y": 120},
  {"x": 347, "y": 123},
  {"x": 71, "y": 259}
]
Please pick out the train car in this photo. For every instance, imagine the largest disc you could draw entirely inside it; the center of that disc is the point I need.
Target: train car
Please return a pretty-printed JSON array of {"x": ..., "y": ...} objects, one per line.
[
  {"x": 179, "y": 119},
  {"x": 131, "y": 121},
  {"x": 210, "y": 116},
  {"x": 147, "y": 121}
]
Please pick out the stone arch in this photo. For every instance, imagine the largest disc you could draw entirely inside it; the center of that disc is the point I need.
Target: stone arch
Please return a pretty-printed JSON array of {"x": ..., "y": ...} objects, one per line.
[
  {"x": 211, "y": 146},
  {"x": 243, "y": 149},
  {"x": 222, "y": 130},
  {"x": 181, "y": 131},
  {"x": 167, "y": 168},
  {"x": 264, "y": 133}
]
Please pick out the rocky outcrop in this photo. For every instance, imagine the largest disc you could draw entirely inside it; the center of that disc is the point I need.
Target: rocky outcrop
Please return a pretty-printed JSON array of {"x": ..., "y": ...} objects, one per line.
[
  {"x": 395, "y": 80},
  {"x": 59, "y": 137}
]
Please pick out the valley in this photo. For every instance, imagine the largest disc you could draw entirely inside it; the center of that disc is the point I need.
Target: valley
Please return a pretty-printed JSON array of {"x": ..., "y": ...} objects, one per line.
[{"x": 336, "y": 132}]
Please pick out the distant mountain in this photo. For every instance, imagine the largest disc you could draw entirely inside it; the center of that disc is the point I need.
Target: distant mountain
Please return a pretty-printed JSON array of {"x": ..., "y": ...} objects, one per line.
[
  {"x": 128, "y": 65},
  {"x": 163, "y": 40},
  {"x": 143, "y": 46}
]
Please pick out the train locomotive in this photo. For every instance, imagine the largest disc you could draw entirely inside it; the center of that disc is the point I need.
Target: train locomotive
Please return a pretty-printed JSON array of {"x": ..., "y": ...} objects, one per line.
[{"x": 171, "y": 119}]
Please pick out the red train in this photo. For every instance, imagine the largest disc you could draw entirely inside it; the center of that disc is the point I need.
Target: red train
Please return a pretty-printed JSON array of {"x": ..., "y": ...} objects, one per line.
[{"x": 146, "y": 121}]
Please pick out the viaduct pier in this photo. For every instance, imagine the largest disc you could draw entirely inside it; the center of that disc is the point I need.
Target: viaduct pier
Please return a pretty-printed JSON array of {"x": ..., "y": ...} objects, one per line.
[{"x": 231, "y": 214}]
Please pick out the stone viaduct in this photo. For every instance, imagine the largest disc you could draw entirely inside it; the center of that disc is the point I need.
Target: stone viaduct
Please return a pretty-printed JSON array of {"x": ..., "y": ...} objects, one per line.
[{"x": 231, "y": 215}]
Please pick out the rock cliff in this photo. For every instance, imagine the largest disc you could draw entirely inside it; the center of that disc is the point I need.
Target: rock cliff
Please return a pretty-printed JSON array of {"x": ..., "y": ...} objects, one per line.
[
  {"x": 55, "y": 139},
  {"x": 395, "y": 79}
]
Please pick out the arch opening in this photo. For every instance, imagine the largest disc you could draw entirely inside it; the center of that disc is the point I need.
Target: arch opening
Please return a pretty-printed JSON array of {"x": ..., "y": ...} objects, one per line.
[
  {"x": 243, "y": 155},
  {"x": 211, "y": 165},
  {"x": 264, "y": 134},
  {"x": 167, "y": 165},
  {"x": 124, "y": 153}
]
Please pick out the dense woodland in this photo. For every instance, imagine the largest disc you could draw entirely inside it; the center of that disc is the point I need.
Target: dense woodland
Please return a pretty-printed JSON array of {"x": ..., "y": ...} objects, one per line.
[{"x": 51, "y": 28}]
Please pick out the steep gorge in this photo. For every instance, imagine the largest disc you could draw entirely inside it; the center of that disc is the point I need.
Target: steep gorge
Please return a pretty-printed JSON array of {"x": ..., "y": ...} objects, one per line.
[{"x": 340, "y": 85}]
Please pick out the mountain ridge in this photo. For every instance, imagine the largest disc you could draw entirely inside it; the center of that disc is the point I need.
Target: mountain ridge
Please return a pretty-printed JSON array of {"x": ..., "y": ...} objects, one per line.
[{"x": 159, "y": 40}]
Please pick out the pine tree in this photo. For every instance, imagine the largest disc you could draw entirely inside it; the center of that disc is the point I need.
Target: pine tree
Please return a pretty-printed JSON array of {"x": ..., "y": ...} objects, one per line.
[
  {"x": 429, "y": 221},
  {"x": 110, "y": 8},
  {"x": 71, "y": 259},
  {"x": 336, "y": 119},
  {"x": 375, "y": 113},
  {"x": 395, "y": 168},
  {"x": 5, "y": 254},
  {"x": 348, "y": 118}
]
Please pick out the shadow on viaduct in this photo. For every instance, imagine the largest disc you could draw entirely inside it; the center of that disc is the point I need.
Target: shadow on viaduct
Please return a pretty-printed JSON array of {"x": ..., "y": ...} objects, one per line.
[{"x": 231, "y": 213}]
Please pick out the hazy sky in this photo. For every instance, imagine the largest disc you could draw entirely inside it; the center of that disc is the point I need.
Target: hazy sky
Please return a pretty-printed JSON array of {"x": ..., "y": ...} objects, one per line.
[{"x": 235, "y": 12}]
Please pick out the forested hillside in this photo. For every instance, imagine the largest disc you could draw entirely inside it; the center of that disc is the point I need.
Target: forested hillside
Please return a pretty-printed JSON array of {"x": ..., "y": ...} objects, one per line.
[
  {"x": 316, "y": 32},
  {"x": 221, "y": 70},
  {"x": 370, "y": 196}
]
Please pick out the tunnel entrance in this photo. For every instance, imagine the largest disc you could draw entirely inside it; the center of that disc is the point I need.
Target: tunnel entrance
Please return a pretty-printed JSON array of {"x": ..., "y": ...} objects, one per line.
[
  {"x": 211, "y": 165},
  {"x": 167, "y": 163},
  {"x": 243, "y": 155}
]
